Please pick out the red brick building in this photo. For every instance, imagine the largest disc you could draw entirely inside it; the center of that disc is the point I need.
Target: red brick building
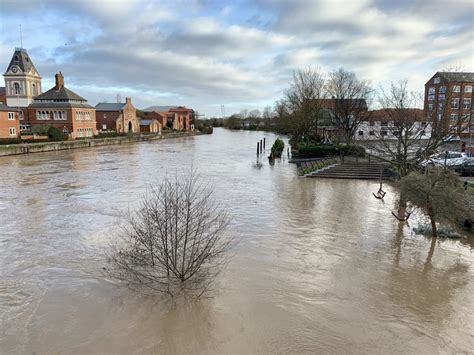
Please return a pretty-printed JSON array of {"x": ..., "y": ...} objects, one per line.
[
  {"x": 119, "y": 117},
  {"x": 63, "y": 109},
  {"x": 448, "y": 102},
  {"x": 178, "y": 118},
  {"x": 9, "y": 122}
]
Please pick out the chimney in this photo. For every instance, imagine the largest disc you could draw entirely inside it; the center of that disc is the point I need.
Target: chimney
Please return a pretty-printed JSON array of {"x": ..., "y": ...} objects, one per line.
[
  {"x": 59, "y": 80},
  {"x": 128, "y": 101}
]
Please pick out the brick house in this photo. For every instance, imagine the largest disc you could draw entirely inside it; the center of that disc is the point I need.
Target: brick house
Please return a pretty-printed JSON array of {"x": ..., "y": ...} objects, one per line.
[
  {"x": 154, "y": 115},
  {"x": 63, "y": 109},
  {"x": 448, "y": 102},
  {"x": 178, "y": 118},
  {"x": 150, "y": 126},
  {"x": 9, "y": 122},
  {"x": 119, "y": 117}
]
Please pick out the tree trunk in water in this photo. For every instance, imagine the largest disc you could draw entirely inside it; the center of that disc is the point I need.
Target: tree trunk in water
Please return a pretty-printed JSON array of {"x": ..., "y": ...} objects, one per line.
[
  {"x": 402, "y": 205},
  {"x": 434, "y": 232}
]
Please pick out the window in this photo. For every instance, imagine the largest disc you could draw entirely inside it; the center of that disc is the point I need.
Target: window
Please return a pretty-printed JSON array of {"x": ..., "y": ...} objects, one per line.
[
  {"x": 104, "y": 127},
  {"x": 442, "y": 89},
  {"x": 12, "y": 131},
  {"x": 16, "y": 89},
  {"x": 431, "y": 90},
  {"x": 454, "y": 117},
  {"x": 457, "y": 88},
  {"x": 34, "y": 89},
  {"x": 11, "y": 116},
  {"x": 431, "y": 97},
  {"x": 437, "y": 80},
  {"x": 441, "y": 97},
  {"x": 466, "y": 117},
  {"x": 466, "y": 103},
  {"x": 455, "y": 103},
  {"x": 361, "y": 133},
  {"x": 468, "y": 88},
  {"x": 371, "y": 133},
  {"x": 430, "y": 107},
  {"x": 384, "y": 133},
  {"x": 396, "y": 133}
]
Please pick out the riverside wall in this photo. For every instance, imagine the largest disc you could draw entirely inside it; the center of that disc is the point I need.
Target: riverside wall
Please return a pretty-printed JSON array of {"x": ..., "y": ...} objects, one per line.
[{"x": 27, "y": 148}]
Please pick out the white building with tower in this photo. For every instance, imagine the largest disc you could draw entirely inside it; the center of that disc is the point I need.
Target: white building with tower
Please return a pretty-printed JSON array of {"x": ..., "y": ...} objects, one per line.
[{"x": 22, "y": 80}]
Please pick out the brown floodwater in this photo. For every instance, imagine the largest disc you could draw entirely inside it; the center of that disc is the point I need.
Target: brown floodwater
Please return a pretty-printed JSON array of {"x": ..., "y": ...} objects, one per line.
[{"x": 321, "y": 265}]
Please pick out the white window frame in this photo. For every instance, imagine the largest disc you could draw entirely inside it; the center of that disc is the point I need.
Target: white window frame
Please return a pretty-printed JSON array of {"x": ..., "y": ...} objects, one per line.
[
  {"x": 468, "y": 88},
  {"x": 466, "y": 103},
  {"x": 12, "y": 131},
  {"x": 456, "y": 88},
  {"x": 455, "y": 103},
  {"x": 11, "y": 116}
]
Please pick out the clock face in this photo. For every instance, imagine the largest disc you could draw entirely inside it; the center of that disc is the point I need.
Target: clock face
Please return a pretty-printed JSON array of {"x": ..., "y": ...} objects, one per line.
[{"x": 14, "y": 69}]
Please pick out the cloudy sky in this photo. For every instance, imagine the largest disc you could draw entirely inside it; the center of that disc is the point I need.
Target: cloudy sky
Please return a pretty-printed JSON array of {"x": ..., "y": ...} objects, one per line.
[{"x": 241, "y": 54}]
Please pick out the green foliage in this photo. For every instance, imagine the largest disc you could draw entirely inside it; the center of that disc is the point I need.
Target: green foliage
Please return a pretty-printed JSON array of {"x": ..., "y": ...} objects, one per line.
[
  {"x": 277, "y": 148},
  {"x": 318, "y": 151},
  {"x": 328, "y": 150},
  {"x": 108, "y": 135},
  {"x": 443, "y": 231},
  {"x": 233, "y": 122},
  {"x": 56, "y": 135},
  {"x": 40, "y": 129},
  {"x": 352, "y": 150}
]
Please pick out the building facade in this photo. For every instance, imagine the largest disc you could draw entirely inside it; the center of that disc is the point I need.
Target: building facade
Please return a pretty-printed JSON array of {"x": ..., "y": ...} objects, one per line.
[
  {"x": 448, "y": 102},
  {"x": 150, "y": 126},
  {"x": 178, "y": 118},
  {"x": 22, "y": 84},
  {"x": 386, "y": 124},
  {"x": 61, "y": 108},
  {"x": 9, "y": 122},
  {"x": 119, "y": 117}
]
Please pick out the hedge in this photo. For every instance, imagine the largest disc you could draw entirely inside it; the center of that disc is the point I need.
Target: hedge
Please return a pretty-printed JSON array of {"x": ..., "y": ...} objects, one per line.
[{"x": 321, "y": 151}]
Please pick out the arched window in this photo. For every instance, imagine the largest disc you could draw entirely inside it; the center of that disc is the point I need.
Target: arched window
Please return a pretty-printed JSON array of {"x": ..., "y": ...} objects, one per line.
[
  {"x": 16, "y": 89},
  {"x": 34, "y": 89}
]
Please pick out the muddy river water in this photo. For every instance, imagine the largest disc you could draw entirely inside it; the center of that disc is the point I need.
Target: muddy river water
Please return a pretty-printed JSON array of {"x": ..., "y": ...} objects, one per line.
[{"x": 321, "y": 265}]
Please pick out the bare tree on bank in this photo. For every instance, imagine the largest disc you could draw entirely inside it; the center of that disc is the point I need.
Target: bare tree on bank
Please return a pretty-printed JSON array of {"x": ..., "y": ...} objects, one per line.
[
  {"x": 175, "y": 241},
  {"x": 351, "y": 96},
  {"x": 299, "y": 109}
]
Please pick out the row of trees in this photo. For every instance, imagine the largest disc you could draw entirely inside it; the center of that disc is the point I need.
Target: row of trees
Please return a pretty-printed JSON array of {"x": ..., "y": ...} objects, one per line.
[{"x": 305, "y": 105}]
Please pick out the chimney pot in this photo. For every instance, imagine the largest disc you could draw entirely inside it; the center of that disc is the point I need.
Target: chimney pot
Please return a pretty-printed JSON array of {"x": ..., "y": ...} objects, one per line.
[{"x": 59, "y": 81}]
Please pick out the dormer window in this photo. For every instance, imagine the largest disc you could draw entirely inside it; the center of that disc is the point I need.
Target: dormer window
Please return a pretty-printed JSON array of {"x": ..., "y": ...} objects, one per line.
[
  {"x": 16, "y": 58},
  {"x": 437, "y": 80}
]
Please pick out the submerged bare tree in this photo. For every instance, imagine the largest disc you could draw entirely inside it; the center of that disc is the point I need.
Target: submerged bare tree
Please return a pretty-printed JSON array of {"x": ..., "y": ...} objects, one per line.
[
  {"x": 439, "y": 194},
  {"x": 176, "y": 239}
]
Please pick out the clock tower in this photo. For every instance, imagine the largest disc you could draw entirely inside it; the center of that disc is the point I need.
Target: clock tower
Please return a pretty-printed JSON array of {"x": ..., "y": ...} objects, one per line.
[{"x": 22, "y": 81}]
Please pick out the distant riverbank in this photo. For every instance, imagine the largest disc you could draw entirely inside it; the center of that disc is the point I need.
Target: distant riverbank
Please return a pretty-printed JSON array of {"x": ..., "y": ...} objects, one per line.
[{"x": 26, "y": 148}]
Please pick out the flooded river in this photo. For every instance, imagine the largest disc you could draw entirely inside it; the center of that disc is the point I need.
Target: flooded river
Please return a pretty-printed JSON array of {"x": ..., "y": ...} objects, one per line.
[{"x": 321, "y": 266}]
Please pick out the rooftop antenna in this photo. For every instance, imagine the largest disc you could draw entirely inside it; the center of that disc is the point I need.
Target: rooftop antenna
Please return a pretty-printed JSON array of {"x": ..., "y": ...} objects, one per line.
[{"x": 21, "y": 38}]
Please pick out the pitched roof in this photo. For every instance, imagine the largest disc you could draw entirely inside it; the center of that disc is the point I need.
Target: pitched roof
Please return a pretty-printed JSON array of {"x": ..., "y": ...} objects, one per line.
[
  {"x": 22, "y": 60},
  {"x": 146, "y": 122},
  {"x": 391, "y": 114},
  {"x": 457, "y": 76},
  {"x": 62, "y": 94},
  {"x": 159, "y": 108},
  {"x": 106, "y": 106},
  {"x": 4, "y": 107}
]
